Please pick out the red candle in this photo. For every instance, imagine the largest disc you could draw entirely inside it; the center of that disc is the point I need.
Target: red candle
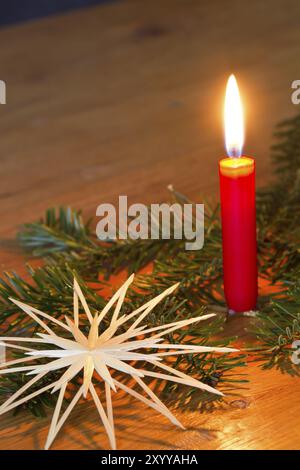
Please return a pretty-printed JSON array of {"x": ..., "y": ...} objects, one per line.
[{"x": 237, "y": 190}]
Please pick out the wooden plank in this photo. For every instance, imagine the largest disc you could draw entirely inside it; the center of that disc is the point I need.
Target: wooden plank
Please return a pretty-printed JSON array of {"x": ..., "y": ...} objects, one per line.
[
  {"x": 125, "y": 99},
  {"x": 266, "y": 416}
]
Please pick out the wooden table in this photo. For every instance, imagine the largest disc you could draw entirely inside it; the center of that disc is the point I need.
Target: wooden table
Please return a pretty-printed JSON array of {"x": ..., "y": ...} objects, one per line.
[{"x": 125, "y": 99}]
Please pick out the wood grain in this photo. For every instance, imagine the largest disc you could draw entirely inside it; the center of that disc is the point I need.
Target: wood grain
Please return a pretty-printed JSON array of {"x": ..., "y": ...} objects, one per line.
[{"x": 125, "y": 99}]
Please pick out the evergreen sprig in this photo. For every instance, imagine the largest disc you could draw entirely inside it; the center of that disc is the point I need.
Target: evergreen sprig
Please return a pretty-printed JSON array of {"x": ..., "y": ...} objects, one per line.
[
  {"x": 277, "y": 329},
  {"x": 51, "y": 290},
  {"x": 69, "y": 247}
]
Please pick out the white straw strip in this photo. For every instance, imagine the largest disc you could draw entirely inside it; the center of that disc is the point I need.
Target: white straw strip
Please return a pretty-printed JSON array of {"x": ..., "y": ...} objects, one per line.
[
  {"x": 21, "y": 339},
  {"x": 83, "y": 301},
  {"x": 193, "y": 382},
  {"x": 28, "y": 397},
  {"x": 114, "y": 298},
  {"x": 31, "y": 312},
  {"x": 18, "y": 361},
  {"x": 56, "y": 414},
  {"x": 109, "y": 404},
  {"x": 155, "y": 398},
  {"x": 15, "y": 346},
  {"x": 75, "y": 305},
  {"x": 104, "y": 418},
  {"x": 65, "y": 416},
  {"x": 138, "y": 396},
  {"x": 20, "y": 392}
]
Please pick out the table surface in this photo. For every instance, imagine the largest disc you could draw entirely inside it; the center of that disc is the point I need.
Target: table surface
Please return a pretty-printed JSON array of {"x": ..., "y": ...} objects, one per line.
[{"x": 124, "y": 99}]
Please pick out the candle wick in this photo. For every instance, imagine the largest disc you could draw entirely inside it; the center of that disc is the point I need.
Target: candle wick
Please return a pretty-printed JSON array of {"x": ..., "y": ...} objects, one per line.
[{"x": 234, "y": 152}]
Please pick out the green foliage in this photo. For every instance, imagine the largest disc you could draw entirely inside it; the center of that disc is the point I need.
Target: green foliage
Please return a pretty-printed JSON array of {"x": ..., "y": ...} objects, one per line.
[
  {"x": 69, "y": 247},
  {"x": 51, "y": 290},
  {"x": 277, "y": 328}
]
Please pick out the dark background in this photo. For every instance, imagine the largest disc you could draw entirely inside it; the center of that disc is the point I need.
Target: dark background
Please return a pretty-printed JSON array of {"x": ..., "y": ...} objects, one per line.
[{"x": 16, "y": 11}]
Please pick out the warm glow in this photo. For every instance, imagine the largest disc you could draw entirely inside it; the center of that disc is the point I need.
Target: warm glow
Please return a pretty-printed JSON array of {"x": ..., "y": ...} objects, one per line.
[{"x": 234, "y": 120}]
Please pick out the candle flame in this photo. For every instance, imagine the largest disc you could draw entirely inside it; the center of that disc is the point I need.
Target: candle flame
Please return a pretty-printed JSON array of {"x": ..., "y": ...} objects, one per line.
[{"x": 233, "y": 119}]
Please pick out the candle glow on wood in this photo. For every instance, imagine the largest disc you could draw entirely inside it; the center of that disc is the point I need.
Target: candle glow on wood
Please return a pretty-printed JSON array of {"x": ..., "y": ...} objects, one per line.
[{"x": 237, "y": 189}]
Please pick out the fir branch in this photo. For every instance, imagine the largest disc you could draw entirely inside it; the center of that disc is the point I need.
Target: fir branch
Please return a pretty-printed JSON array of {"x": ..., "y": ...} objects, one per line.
[
  {"x": 59, "y": 231},
  {"x": 68, "y": 246},
  {"x": 276, "y": 329},
  {"x": 62, "y": 236},
  {"x": 51, "y": 290}
]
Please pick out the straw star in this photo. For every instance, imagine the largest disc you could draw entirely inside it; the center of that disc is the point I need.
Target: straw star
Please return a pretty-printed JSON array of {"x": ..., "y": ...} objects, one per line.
[{"x": 96, "y": 357}]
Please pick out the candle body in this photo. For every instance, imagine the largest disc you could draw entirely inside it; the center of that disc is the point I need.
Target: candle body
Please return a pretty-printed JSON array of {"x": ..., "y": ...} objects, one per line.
[{"x": 237, "y": 190}]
